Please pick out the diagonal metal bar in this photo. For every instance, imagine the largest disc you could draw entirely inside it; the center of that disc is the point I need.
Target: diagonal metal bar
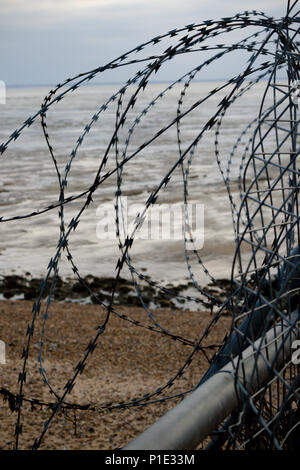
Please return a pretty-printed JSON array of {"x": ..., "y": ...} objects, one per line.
[{"x": 206, "y": 407}]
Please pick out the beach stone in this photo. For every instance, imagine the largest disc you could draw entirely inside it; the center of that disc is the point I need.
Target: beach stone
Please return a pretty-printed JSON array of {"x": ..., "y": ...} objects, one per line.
[{"x": 79, "y": 288}]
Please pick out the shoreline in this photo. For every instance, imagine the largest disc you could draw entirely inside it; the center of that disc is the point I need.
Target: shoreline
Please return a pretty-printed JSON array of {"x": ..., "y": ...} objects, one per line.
[{"x": 176, "y": 296}]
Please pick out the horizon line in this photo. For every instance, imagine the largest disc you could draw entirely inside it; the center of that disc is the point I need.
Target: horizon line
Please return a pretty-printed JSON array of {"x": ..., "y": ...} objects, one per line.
[{"x": 32, "y": 85}]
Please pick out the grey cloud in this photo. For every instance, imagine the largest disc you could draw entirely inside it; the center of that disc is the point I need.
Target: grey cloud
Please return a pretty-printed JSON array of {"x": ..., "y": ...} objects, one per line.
[{"x": 46, "y": 41}]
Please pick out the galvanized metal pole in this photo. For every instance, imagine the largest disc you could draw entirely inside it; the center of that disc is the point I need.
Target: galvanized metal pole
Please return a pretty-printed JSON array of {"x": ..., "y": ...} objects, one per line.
[{"x": 206, "y": 407}]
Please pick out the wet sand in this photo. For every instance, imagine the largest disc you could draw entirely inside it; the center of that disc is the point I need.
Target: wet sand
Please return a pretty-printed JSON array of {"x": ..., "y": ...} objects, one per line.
[{"x": 129, "y": 362}]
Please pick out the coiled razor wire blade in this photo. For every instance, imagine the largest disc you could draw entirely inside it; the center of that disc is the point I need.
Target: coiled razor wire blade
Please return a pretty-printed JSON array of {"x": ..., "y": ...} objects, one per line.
[{"x": 265, "y": 268}]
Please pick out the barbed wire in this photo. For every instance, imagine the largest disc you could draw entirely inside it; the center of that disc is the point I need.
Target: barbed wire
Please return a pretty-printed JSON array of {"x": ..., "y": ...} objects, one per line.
[{"x": 256, "y": 299}]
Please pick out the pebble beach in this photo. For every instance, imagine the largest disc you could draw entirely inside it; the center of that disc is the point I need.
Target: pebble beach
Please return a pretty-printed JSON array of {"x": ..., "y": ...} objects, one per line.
[{"x": 129, "y": 362}]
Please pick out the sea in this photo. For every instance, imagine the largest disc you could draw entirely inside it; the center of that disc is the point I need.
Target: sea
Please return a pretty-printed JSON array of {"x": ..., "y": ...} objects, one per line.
[{"x": 148, "y": 139}]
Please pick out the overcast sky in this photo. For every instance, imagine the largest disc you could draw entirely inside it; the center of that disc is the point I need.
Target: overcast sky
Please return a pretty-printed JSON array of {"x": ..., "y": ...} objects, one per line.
[{"x": 46, "y": 41}]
